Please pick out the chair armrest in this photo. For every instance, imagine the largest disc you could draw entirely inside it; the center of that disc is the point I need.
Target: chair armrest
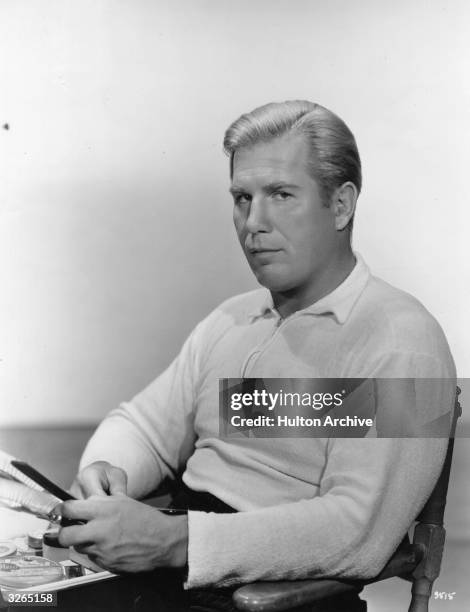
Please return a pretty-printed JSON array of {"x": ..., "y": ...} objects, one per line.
[{"x": 278, "y": 596}]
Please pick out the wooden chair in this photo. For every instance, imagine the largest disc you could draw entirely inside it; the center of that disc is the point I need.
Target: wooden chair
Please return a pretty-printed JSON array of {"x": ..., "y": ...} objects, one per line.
[{"x": 418, "y": 562}]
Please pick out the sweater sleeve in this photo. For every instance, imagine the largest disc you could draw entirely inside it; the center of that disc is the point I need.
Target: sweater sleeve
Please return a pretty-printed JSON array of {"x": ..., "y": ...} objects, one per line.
[
  {"x": 371, "y": 491},
  {"x": 152, "y": 436}
]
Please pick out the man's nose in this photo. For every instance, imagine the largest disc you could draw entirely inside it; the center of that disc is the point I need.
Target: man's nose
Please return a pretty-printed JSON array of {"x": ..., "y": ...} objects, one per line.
[{"x": 258, "y": 217}]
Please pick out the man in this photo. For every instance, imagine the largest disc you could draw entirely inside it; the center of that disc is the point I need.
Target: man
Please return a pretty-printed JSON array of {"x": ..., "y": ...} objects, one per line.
[{"x": 305, "y": 507}]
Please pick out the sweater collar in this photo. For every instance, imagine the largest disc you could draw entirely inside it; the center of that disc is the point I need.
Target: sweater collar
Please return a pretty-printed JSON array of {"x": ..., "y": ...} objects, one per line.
[{"x": 339, "y": 302}]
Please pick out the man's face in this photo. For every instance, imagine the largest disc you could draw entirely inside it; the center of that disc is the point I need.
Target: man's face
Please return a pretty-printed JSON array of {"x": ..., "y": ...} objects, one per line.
[{"x": 287, "y": 234}]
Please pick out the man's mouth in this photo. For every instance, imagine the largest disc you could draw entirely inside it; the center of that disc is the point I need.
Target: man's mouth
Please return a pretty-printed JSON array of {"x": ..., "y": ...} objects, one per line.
[{"x": 258, "y": 250}]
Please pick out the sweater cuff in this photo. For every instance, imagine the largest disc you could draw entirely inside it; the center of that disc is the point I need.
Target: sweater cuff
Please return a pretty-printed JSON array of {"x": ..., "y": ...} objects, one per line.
[
  {"x": 234, "y": 548},
  {"x": 210, "y": 550}
]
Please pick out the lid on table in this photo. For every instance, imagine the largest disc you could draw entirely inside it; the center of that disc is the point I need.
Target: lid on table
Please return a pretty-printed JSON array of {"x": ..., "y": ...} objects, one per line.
[{"x": 22, "y": 571}]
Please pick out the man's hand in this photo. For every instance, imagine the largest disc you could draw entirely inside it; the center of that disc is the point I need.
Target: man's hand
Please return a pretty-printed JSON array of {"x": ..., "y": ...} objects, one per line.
[
  {"x": 124, "y": 535},
  {"x": 99, "y": 478}
]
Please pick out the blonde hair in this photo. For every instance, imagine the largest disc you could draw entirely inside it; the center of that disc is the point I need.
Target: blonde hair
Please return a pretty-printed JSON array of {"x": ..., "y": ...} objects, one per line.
[{"x": 334, "y": 157}]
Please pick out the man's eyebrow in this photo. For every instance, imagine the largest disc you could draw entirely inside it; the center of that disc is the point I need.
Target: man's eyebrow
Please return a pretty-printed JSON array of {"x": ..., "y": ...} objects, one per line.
[
  {"x": 235, "y": 190},
  {"x": 279, "y": 186},
  {"x": 268, "y": 188}
]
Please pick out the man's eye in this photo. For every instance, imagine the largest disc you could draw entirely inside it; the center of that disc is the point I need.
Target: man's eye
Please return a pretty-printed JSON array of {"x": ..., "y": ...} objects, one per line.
[
  {"x": 281, "y": 195},
  {"x": 242, "y": 198}
]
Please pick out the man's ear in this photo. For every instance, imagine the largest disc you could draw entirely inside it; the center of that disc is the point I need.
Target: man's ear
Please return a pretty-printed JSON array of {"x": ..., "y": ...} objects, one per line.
[{"x": 344, "y": 204}]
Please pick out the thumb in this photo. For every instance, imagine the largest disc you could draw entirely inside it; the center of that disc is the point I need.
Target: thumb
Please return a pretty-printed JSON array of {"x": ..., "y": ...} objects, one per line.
[
  {"x": 117, "y": 480},
  {"x": 76, "y": 490}
]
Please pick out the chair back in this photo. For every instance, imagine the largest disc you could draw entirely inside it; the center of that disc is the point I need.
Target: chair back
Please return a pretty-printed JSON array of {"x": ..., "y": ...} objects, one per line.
[
  {"x": 433, "y": 511},
  {"x": 429, "y": 533}
]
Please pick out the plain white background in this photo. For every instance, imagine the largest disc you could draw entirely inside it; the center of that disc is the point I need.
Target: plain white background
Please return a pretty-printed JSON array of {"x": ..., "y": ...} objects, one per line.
[{"x": 115, "y": 220}]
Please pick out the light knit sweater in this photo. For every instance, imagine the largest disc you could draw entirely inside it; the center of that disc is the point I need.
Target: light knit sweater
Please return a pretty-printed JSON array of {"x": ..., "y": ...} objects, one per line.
[{"x": 308, "y": 507}]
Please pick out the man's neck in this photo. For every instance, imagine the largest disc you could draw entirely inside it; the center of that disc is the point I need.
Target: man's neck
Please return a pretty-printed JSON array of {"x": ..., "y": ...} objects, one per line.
[{"x": 286, "y": 303}]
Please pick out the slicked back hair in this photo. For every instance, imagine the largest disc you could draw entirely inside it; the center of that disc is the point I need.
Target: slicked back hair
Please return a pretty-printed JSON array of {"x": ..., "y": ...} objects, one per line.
[{"x": 334, "y": 157}]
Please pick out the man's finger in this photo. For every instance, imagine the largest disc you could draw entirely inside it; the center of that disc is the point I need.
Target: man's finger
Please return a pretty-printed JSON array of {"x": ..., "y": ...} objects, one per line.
[
  {"x": 85, "y": 509},
  {"x": 95, "y": 557},
  {"x": 94, "y": 482},
  {"x": 87, "y": 549},
  {"x": 77, "y": 535},
  {"x": 76, "y": 490},
  {"x": 117, "y": 480}
]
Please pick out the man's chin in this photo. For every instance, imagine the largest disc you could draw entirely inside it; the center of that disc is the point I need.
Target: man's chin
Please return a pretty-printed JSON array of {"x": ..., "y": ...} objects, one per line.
[{"x": 275, "y": 282}]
